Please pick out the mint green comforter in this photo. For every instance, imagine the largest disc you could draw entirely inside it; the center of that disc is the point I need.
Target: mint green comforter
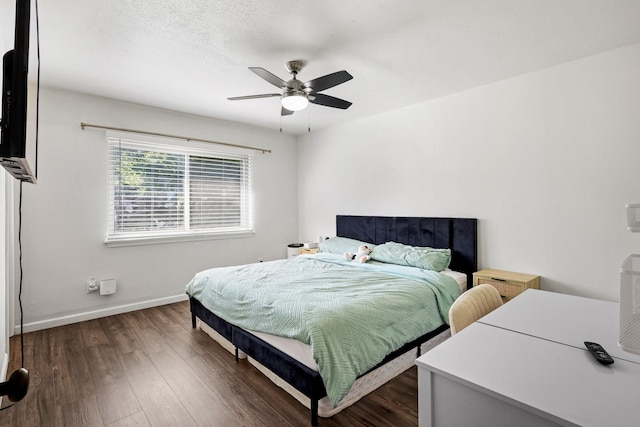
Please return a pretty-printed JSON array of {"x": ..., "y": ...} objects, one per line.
[{"x": 351, "y": 314}]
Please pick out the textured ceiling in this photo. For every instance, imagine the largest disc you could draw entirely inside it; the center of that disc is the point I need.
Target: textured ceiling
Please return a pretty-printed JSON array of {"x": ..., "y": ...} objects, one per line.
[{"x": 190, "y": 55}]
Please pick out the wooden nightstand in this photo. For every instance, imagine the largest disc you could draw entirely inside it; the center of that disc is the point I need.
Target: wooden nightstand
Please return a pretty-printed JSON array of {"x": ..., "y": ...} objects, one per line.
[
  {"x": 304, "y": 251},
  {"x": 508, "y": 283},
  {"x": 295, "y": 249}
]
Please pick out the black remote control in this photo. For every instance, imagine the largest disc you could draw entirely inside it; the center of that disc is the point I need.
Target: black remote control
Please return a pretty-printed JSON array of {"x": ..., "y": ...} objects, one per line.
[{"x": 599, "y": 353}]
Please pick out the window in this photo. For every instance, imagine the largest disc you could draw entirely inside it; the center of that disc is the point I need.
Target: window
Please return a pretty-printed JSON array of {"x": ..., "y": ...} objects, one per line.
[{"x": 163, "y": 192}]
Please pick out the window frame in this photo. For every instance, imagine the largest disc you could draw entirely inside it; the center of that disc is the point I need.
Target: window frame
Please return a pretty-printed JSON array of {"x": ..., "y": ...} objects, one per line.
[{"x": 181, "y": 148}]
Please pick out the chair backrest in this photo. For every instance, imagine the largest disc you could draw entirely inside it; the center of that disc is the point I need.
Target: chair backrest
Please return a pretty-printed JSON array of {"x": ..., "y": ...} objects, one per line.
[{"x": 472, "y": 305}]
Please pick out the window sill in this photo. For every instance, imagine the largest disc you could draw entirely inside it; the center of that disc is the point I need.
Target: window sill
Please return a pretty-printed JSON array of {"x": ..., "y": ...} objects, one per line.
[{"x": 116, "y": 242}]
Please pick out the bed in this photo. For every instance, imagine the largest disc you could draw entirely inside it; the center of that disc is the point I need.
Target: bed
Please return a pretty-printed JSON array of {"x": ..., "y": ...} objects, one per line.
[{"x": 298, "y": 373}]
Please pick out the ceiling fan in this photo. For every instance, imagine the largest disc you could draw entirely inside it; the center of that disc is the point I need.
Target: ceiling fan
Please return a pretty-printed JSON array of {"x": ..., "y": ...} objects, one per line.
[{"x": 296, "y": 95}]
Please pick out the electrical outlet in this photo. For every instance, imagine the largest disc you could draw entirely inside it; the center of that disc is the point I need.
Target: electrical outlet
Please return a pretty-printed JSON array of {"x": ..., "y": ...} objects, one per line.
[{"x": 92, "y": 285}]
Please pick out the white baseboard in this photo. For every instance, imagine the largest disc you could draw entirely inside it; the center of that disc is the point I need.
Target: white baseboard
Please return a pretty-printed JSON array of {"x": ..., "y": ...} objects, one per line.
[
  {"x": 3, "y": 369},
  {"x": 96, "y": 314}
]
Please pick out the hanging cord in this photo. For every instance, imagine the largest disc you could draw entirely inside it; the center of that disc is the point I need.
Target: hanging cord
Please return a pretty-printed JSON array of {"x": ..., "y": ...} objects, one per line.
[
  {"x": 20, "y": 285},
  {"x": 20, "y": 201},
  {"x": 20, "y": 280}
]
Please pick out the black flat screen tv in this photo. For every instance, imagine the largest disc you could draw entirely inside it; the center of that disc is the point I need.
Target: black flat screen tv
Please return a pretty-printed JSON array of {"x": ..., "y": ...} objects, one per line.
[{"x": 20, "y": 74}]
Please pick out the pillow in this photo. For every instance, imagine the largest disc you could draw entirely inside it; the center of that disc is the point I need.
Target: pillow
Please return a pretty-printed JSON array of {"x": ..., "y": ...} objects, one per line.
[
  {"x": 412, "y": 256},
  {"x": 340, "y": 245}
]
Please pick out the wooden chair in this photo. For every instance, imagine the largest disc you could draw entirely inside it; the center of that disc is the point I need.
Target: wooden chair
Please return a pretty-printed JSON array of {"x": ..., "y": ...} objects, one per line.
[{"x": 472, "y": 305}]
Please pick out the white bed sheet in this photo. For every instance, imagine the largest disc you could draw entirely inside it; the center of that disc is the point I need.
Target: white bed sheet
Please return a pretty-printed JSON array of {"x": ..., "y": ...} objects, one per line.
[{"x": 461, "y": 278}]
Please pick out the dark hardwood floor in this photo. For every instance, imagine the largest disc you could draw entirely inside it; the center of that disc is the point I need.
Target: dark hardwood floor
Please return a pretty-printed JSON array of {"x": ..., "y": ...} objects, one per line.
[{"x": 150, "y": 368}]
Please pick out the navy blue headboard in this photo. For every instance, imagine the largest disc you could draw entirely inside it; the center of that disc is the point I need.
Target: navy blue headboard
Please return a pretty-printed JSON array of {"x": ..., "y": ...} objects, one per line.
[{"x": 458, "y": 234}]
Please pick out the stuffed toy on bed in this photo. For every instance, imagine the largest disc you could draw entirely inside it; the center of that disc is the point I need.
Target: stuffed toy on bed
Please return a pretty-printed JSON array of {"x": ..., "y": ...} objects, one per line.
[{"x": 361, "y": 256}]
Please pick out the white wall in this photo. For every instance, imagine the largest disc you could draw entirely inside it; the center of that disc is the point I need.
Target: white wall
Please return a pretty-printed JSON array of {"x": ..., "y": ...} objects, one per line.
[
  {"x": 64, "y": 215},
  {"x": 546, "y": 162}
]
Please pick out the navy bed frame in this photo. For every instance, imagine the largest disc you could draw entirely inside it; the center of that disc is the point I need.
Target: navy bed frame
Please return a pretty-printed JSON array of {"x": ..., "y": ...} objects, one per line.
[{"x": 458, "y": 234}]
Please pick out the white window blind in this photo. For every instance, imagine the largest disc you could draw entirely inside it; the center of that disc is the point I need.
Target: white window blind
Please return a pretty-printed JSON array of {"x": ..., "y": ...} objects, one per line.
[{"x": 157, "y": 190}]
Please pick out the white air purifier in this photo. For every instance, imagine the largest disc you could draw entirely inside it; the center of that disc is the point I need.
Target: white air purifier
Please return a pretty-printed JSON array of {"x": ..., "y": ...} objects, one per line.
[{"x": 629, "y": 338}]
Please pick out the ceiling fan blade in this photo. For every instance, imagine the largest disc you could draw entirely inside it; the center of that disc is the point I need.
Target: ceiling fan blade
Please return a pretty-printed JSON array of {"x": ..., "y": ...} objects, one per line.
[
  {"x": 328, "y": 101},
  {"x": 285, "y": 112},
  {"x": 328, "y": 81},
  {"x": 266, "y": 95},
  {"x": 271, "y": 78}
]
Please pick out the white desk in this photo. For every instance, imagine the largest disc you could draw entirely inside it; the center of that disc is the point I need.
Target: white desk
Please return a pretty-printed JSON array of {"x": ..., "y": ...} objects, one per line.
[
  {"x": 563, "y": 318},
  {"x": 490, "y": 375}
]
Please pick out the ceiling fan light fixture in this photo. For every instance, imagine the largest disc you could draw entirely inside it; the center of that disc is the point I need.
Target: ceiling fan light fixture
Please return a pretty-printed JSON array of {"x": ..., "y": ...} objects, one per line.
[{"x": 295, "y": 101}]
